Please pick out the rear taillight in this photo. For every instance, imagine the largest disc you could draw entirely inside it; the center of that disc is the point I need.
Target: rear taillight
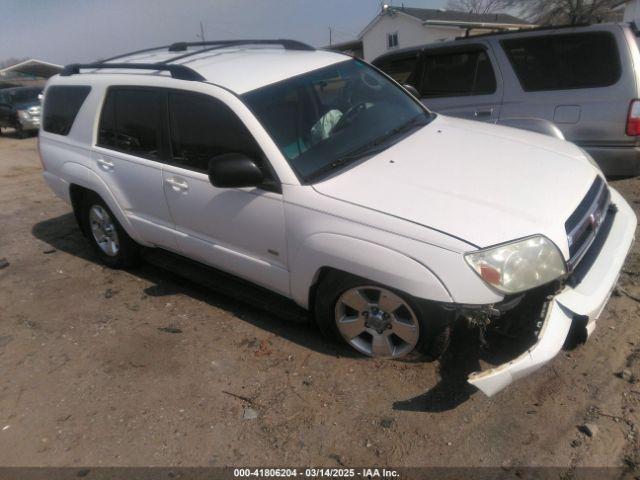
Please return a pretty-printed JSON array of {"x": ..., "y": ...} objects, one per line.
[{"x": 633, "y": 119}]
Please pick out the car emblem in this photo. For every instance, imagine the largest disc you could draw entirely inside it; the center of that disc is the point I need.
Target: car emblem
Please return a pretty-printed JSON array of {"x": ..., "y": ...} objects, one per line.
[{"x": 594, "y": 220}]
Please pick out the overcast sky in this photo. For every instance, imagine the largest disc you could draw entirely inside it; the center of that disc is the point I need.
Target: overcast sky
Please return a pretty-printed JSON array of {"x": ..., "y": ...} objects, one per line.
[{"x": 65, "y": 31}]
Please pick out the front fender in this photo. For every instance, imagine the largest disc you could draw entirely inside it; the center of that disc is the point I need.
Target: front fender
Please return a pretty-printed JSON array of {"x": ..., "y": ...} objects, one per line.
[
  {"x": 365, "y": 259},
  {"x": 538, "y": 125}
]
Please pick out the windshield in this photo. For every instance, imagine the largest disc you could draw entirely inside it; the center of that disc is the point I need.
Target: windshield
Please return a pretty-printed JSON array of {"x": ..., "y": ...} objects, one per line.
[
  {"x": 24, "y": 95},
  {"x": 325, "y": 119}
]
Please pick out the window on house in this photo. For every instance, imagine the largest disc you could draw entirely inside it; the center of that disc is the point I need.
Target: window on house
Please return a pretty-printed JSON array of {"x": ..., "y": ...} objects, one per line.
[
  {"x": 392, "y": 40},
  {"x": 457, "y": 74}
]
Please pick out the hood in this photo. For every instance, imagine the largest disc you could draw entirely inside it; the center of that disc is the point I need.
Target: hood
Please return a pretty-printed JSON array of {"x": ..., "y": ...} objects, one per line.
[{"x": 482, "y": 183}]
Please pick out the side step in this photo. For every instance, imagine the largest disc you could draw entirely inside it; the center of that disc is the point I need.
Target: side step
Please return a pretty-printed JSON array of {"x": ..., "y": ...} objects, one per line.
[{"x": 227, "y": 285}]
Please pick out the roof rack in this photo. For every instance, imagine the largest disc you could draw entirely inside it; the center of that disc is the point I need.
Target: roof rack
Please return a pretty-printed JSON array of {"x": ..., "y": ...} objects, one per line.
[
  {"x": 179, "y": 72},
  {"x": 524, "y": 29},
  {"x": 284, "y": 42}
]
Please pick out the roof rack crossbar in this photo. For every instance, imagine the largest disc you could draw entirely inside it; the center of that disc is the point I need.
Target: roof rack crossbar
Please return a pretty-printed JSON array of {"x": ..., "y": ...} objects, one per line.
[
  {"x": 284, "y": 42},
  {"x": 180, "y": 72}
]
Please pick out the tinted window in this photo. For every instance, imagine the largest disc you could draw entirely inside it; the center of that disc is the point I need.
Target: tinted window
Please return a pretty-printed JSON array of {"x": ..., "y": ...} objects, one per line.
[
  {"x": 562, "y": 62},
  {"x": 457, "y": 74},
  {"x": 400, "y": 69},
  {"x": 26, "y": 95},
  {"x": 61, "y": 107},
  {"x": 203, "y": 127},
  {"x": 131, "y": 122}
]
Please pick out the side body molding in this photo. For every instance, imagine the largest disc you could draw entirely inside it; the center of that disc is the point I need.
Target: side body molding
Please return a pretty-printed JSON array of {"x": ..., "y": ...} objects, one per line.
[{"x": 362, "y": 258}]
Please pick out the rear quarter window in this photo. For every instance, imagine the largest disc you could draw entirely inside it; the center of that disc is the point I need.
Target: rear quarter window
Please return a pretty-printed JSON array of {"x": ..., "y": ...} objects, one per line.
[
  {"x": 564, "y": 62},
  {"x": 61, "y": 106}
]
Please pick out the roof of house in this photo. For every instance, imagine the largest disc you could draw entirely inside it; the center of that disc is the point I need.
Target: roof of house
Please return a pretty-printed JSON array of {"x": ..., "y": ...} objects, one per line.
[{"x": 33, "y": 67}]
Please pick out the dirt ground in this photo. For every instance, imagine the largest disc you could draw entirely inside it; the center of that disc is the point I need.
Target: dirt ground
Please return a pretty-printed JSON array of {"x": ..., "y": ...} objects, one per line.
[{"x": 89, "y": 377}]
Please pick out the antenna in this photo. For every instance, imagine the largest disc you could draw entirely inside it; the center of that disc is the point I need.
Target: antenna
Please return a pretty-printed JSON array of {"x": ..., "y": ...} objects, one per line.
[{"x": 201, "y": 35}]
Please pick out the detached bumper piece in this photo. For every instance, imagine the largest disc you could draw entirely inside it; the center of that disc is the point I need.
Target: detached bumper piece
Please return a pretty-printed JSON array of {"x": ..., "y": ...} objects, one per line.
[{"x": 584, "y": 297}]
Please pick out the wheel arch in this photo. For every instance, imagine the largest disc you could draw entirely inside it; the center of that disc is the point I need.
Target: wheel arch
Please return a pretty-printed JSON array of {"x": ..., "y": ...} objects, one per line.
[
  {"x": 323, "y": 253},
  {"x": 83, "y": 181}
]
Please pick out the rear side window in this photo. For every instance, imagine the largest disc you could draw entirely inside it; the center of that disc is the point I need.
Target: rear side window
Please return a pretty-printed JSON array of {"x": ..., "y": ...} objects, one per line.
[
  {"x": 62, "y": 104},
  {"x": 564, "y": 62},
  {"x": 457, "y": 74},
  {"x": 203, "y": 127},
  {"x": 131, "y": 122},
  {"x": 400, "y": 69}
]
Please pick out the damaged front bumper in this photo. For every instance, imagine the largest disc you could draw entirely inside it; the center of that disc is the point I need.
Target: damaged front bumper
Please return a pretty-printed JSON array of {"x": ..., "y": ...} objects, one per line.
[{"x": 582, "y": 299}]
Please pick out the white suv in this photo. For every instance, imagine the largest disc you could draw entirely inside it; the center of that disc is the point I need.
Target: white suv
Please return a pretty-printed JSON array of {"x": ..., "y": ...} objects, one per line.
[{"x": 316, "y": 176}]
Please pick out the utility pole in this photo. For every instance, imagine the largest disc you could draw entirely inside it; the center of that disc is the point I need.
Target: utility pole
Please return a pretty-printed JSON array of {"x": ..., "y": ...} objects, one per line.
[
  {"x": 330, "y": 36},
  {"x": 201, "y": 35}
]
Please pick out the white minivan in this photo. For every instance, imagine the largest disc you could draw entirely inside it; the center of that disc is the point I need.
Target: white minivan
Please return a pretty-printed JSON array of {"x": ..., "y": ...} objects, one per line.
[{"x": 316, "y": 176}]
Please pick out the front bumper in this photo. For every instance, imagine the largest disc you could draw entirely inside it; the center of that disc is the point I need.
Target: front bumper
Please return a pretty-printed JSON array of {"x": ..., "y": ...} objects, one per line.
[{"x": 584, "y": 297}]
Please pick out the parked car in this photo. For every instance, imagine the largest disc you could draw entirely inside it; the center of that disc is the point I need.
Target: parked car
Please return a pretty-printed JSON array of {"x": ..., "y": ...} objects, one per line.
[
  {"x": 312, "y": 174},
  {"x": 20, "y": 109},
  {"x": 579, "y": 83}
]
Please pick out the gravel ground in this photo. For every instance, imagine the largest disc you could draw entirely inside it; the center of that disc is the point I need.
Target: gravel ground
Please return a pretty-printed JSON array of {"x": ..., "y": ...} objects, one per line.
[{"x": 103, "y": 367}]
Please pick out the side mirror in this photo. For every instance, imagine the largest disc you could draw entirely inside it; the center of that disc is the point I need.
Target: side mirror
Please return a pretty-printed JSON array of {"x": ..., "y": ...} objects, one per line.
[
  {"x": 412, "y": 90},
  {"x": 234, "y": 170}
]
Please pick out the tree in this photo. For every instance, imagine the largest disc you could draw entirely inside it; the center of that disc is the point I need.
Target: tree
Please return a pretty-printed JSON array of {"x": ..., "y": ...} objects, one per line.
[
  {"x": 568, "y": 12},
  {"x": 481, "y": 6}
]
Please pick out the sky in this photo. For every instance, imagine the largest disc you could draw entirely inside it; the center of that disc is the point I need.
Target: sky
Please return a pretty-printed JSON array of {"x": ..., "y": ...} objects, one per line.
[{"x": 67, "y": 31}]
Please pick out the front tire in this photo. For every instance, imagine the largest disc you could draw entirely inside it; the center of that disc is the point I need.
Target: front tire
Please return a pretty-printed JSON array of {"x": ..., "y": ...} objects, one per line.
[
  {"x": 108, "y": 239},
  {"x": 379, "y": 321}
]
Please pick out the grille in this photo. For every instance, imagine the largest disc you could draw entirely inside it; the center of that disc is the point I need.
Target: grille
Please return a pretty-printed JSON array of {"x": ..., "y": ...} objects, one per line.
[{"x": 583, "y": 224}]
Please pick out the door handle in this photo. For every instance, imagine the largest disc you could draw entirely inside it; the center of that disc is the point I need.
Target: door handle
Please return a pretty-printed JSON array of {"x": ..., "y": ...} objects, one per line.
[
  {"x": 483, "y": 113},
  {"x": 177, "y": 185},
  {"x": 105, "y": 164}
]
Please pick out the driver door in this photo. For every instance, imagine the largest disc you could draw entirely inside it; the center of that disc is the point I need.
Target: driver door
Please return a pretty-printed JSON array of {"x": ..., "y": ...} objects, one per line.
[{"x": 238, "y": 230}]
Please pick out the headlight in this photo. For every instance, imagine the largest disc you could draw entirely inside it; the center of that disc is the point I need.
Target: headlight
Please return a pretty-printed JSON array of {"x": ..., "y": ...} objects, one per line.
[
  {"x": 23, "y": 114},
  {"x": 518, "y": 266}
]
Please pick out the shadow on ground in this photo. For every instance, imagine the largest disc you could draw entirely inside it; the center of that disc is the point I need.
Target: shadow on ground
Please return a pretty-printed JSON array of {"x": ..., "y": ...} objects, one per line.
[{"x": 171, "y": 275}]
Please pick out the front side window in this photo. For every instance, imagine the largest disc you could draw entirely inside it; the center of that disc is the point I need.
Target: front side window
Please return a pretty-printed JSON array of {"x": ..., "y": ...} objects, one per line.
[
  {"x": 327, "y": 118},
  {"x": 400, "y": 69},
  {"x": 457, "y": 74},
  {"x": 563, "y": 62},
  {"x": 131, "y": 122},
  {"x": 61, "y": 107},
  {"x": 203, "y": 127}
]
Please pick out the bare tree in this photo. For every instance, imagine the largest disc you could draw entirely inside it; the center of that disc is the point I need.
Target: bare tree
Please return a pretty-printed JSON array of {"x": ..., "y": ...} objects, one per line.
[
  {"x": 481, "y": 6},
  {"x": 568, "y": 12}
]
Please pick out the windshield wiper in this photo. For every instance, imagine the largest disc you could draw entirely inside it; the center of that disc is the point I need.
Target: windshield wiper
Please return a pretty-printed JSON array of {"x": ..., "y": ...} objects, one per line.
[{"x": 376, "y": 145}]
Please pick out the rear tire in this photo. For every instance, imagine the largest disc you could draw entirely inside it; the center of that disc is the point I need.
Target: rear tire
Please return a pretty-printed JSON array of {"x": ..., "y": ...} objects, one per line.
[
  {"x": 108, "y": 239},
  {"x": 387, "y": 317}
]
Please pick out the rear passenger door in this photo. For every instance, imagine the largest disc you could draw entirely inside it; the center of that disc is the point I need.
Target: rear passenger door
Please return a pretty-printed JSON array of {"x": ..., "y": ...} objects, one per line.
[
  {"x": 239, "y": 230},
  {"x": 461, "y": 82},
  {"x": 128, "y": 156}
]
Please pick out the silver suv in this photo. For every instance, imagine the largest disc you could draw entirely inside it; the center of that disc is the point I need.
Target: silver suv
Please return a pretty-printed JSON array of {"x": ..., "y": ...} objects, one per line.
[{"x": 578, "y": 83}]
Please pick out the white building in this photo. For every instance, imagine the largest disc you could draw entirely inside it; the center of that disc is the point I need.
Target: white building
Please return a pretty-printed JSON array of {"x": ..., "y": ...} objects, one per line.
[
  {"x": 631, "y": 10},
  {"x": 400, "y": 27}
]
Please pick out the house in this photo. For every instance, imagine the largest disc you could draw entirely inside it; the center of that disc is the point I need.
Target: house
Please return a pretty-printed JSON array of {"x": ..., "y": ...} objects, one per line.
[
  {"x": 28, "y": 72},
  {"x": 630, "y": 10},
  {"x": 400, "y": 27}
]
